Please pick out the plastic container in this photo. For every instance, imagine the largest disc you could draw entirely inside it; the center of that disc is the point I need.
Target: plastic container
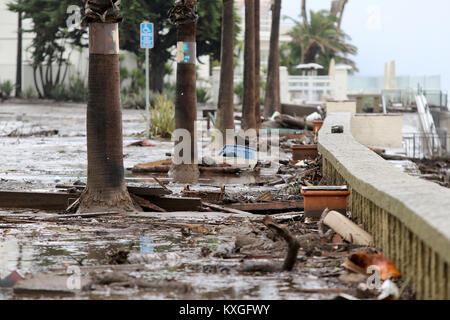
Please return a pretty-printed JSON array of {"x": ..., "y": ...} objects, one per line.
[
  {"x": 317, "y": 199},
  {"x": 301, "y": 152},
  {"x": 238, "y": 151}
]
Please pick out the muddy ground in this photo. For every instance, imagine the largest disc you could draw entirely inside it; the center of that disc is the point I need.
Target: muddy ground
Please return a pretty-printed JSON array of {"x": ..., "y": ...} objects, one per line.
[{"x": 187, "y": 255}]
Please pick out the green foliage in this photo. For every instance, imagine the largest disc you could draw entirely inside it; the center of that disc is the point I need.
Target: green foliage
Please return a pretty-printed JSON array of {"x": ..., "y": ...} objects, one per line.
[
  {"x": 162, "y": 117},
  {"x": 6, "y": 89},
  {"x": 202, "y": 95},
  {"x": 29, "y": 93},
  {"x": 76, "y": 91},
  {"x": 319, "y": 41},
  {"x": 50, "y": 37},
  {"x": 133, "y": 99},
  {"x": 239, "y": 91},
  {"x": 155, "y": 11}
]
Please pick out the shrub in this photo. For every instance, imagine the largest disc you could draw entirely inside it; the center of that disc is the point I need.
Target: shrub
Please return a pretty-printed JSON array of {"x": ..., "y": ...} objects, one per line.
[
  {"x": 6, "y": 89},
  {"x": 239, "y": 91},
  {"x": 76, "y": 91},
  {"x": 162, "y": 117},
  {"x": 202, "y": 95},
  {"x": 29, "y": 93}
]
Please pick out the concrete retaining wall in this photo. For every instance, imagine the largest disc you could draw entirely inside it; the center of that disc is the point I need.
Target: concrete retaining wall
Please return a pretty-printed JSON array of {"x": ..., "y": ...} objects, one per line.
[{"x": 409, "y": 218}]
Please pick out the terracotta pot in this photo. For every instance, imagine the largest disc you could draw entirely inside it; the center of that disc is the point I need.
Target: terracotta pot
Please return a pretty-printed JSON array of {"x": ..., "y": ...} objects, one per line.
[
  {"x": 317, "y": 199},
  {"x": 300, "y": 152},
  {"x": 317, "y": 125}
]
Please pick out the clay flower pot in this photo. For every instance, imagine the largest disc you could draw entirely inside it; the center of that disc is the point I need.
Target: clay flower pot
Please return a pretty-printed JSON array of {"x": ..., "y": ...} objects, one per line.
[
  {"x": 301, "y": 152},
  {"x": 318, "y": 198},
  {"x": 317, "y": 125}
]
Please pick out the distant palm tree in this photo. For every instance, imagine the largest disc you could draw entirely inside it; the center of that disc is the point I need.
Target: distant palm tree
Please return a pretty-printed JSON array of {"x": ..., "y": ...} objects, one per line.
[
  {"x": 257, "y": 63},
  {"x": 320, "y": 37},
  {"x": 248, "y": 105},
  {"x": 225, "y": 117},
  {"x": 272, "y": 101}
]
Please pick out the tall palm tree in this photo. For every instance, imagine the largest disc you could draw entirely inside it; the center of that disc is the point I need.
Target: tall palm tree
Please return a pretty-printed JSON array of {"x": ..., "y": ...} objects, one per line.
[
  {"x": 272, "y": 99},
  {"x": 248, "y": 105},
  {"x": 321, "y": 36},
  {"x": 106, "y": 189},
  {"x": 257, "y": 64},
  {"x": 226, "y": 91},
  {"x": 184, "y": 15}
]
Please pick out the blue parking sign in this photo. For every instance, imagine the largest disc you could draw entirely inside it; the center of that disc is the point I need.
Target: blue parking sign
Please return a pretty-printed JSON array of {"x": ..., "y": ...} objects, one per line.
[{"x": 147, "y": 35}]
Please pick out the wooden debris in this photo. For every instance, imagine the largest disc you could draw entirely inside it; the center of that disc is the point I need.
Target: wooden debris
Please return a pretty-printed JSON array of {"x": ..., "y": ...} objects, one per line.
[
  {"x": 293, "y": 244},
  {"x": 170, "y": 203},
  {"x": 265, "y": 208},
  {"x": 346, "y": 228},
  {"x": 144, "y": 203},
  {"x": 139, "y": 191},
  {"x": 47, "y": 284},
  {"x": 151, "y": 169},
  {"x": 35, "y": 200},
  {"x": 224, "y": 209},
  {"x": 266, "y": 197},
  {"x": 212, "y": 196}
]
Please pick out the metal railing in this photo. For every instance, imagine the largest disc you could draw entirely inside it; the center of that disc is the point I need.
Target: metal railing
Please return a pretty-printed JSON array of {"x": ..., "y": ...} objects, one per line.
[{"x": 420, "y": 145}]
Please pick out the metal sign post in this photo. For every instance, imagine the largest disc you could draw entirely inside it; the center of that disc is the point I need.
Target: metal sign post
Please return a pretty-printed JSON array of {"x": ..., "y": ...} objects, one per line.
[{"x": 147, "y": 42}]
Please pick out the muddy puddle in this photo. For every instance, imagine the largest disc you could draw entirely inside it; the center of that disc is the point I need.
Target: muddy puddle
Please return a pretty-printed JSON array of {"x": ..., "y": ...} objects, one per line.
[{"x": 167, "y": 252}]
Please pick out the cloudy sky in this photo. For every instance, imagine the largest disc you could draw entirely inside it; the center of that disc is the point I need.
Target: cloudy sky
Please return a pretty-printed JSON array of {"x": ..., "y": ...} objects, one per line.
[{"x": 415, "y": 33}]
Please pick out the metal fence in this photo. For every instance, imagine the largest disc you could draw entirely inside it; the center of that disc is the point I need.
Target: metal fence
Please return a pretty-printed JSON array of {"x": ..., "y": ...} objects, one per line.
[{"x": 419, "y": 145}]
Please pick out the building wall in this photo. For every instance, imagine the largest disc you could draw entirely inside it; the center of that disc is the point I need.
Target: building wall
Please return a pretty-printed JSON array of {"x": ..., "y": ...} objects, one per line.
[
  {"x": 378, "y": 130},
  {"x": 341, "y": 106},
  {"x": 8, "y": 43}
]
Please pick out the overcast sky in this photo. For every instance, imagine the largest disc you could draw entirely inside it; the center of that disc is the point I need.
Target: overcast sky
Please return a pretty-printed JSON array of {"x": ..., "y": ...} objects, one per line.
[{"x": 415, "y": 33}]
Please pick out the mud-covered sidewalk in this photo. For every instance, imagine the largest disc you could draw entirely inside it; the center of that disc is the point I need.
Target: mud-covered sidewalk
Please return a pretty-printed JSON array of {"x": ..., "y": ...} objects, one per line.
[{"x": 158, "y": 255}]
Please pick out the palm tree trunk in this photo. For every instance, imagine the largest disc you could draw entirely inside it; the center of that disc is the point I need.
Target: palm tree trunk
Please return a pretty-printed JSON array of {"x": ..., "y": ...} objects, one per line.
[
  {"x": 343, "y": 3},
  {"x": 248, "y": 107},
  {"x": 304, "y": 13},
  {"x": 272, "y": 99},
  {"x": 257, "y": 64},
  {"x": 226, "y": 91},
  {"x": 106, "y": 189},
  {"x": 19, "y": 56},
  {"x": 157, "y": 75},
  {"x": 184, "y": 15}
]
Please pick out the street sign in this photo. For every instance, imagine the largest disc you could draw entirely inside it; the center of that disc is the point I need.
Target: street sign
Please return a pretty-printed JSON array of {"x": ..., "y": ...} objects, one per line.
[
  {"x": 147, "y": 35},
  {"x": 147, "y": 42}
]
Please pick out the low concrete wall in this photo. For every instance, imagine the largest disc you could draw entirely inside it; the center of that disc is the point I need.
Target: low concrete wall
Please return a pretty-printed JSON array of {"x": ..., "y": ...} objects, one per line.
[
  {"x": 378, "y": 130},
  {"x": 409, "y": 218}
]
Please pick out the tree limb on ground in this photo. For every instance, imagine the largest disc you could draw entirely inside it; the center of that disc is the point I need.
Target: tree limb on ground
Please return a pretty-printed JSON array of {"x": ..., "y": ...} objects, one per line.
[{"x": 293, "y": 244}]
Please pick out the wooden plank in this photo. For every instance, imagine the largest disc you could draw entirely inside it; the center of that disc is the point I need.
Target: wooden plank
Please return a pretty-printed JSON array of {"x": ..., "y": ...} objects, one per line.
[
  {"x": 170, "y": 203},
  {"x": 34, "y": 200},
  {"x": 139, "y": 191},
  {"x": 220, "y": 208},
  {"x": 269, "y": 206}
]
